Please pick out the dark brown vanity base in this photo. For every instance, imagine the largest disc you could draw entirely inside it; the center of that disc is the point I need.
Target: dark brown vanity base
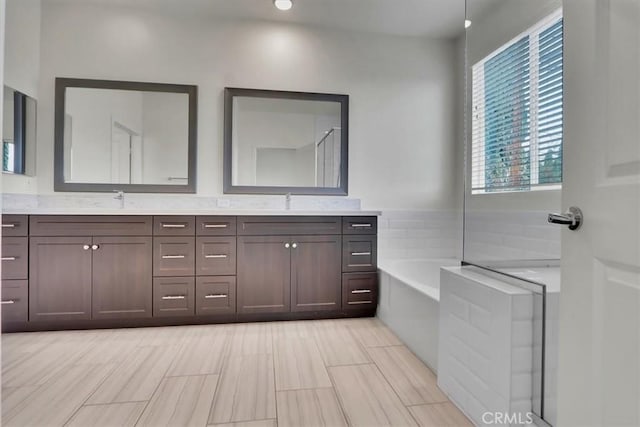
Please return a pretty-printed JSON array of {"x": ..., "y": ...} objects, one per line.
[{"x": 85, "y": 272}]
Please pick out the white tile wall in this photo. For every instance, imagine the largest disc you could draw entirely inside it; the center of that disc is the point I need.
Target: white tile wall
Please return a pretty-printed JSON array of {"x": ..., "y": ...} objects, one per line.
[
  {"x": 510, "y": 235},
  {"x": 420, "y": 234},
  {"x": 485, "y": 346}
]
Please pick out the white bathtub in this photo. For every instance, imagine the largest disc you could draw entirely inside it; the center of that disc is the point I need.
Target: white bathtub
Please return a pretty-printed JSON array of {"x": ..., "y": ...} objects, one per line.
[{"x": 409, "y": 303}]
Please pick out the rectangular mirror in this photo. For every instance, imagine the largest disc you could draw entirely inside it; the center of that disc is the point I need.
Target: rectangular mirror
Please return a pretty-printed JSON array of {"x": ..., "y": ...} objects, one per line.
[
  {"x": 18, "y": 132},
  {"x": 129, "y": 136},
  {"x": 278, "y": 142}
]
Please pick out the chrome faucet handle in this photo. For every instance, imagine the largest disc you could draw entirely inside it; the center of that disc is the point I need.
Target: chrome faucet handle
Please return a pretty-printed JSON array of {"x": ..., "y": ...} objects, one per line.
[{"x": 573, "y": 218}]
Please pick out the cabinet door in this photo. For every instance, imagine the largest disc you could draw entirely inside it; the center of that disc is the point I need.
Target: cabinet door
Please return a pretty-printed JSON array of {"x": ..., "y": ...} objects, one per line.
[
  {"x": 264, "y": 274},
  {"x": 60, "y": 278},
  {"x": 316, "y": 273},
  {"x": 122, "y": 283}
]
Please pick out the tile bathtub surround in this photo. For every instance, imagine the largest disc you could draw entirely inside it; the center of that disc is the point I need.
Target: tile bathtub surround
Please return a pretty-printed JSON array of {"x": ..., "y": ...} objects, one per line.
[
  {"x": 168, "y": 202},
  {"x": 510, "y": 235},
  {"x": 420, "y": 234},
  {"x": 271, "y": 374}
]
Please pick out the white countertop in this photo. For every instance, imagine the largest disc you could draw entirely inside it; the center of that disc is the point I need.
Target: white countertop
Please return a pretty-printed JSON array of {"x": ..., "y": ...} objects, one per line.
[{"x": 221, "y": 212}]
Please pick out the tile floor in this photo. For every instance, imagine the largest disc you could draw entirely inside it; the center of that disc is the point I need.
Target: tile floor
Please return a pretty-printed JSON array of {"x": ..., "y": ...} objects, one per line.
[{"x": 308, "y": 373}]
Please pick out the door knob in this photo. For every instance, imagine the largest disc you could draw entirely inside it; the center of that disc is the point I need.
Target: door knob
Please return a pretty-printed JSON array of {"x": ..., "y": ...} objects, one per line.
[
  {"x": 86, "y": 247},
  {"x": 95, "y": 247},
  {"x": 286, "y": 245},
  {"x": 572, "y": 217},
  {"x": 295, "y": 245}
]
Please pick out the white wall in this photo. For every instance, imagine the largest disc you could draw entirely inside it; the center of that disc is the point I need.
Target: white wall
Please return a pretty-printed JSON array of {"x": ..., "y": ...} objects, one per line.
[{"x": 402, "y": 89}]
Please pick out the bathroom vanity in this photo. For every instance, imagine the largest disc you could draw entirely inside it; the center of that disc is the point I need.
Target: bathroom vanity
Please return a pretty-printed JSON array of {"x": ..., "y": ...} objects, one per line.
[{"x": 91, "y": 271}]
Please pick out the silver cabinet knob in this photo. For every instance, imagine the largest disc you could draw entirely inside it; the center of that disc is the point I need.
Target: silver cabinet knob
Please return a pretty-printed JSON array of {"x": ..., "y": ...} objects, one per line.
[
  {"x": 295, "y": 245},
  {"x": 287, "y": 245},
  {"x": 95, "y": 247},
  {"x": 86, "y": 247}
]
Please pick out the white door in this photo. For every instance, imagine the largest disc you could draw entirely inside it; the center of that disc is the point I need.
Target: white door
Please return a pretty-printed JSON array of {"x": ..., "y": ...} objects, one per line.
[
  {"x": 599, "y": 360},
  {"x": 120, "y": 156}
]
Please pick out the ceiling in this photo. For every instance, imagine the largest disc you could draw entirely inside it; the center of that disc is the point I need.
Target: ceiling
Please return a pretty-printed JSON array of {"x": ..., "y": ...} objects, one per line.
[{"x": 422, "y": 18}]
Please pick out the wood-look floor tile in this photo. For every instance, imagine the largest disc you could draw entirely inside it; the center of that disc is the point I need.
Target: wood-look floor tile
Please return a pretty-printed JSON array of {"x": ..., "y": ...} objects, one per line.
[
  {"x": 367, "y": 398},
  {"x": 309, "y": 408},
  {"x": 55, "y": 402},
  {"x": 246, "y": 390},
  {"x": 111, "y": 415},
  {"x": 440, "y": 415},
  {"x": 137, "y": 377},
  {"x": 337, "y": 345},
  {"x": 371, "y": 332},
  {"x": 13, "y": 396},
  {"x": 181, "y": 401},
  {"x": 258, "y": 423},
  {"x": 251, "y": 338},
  {"x": 292, "y": 329},
  {"x": 203, "y": 352},
  {"x": 412, "y": 380},
  {"x": 298, "y": 364}
]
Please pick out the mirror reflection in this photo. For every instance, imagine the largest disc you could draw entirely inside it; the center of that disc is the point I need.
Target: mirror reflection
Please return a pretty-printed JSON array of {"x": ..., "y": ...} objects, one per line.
[
  {"x": 125, "y": 137},
  {"x": 18, "y": 132},
  {"x": 286, "y": 142}
]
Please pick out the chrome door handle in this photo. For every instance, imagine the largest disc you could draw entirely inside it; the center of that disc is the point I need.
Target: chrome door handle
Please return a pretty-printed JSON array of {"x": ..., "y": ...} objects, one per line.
[
  {"x": 8, "y": 301},
  {"x": 287, "y": 245},
  {"x": 295, "y": 245},
  {"x": 174, "y": 225},
  {"x": 572, "y": 217},
  {"x": 360, "y": 225},
  {"x": 360, "y": 253},
  {"x": 361, "y": 291},
  {"x": 95, "y": 247},
  {"x": 215, "y": 226},
  {"x": 9, "y": 258},
  {"x": 9, "y": 225},
  {"x": 173, "y": 256},
  {"x": 86, "y": 247},
  {"x": 215, "y": 256}
]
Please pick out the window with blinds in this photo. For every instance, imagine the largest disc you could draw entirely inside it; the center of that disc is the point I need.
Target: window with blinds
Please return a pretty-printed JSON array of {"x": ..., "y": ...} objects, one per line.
[{"x": 516, "y": 129}]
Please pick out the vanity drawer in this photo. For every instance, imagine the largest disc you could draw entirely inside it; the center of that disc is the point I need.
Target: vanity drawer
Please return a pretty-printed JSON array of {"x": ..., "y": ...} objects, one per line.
[
  {"x": 215, "y": 295},
  {"x": 90, "y": 225},
  {"x": 216, "y": 226},
  {"x": 14, "y": 300},
  {"x": 15, "y": 257},
  {"x": 215, "y": 256},
  {"x": 359, "y": 290},
  {"x": 173, "y": 256},
  {"x": 359, "y": 225},
  {"x": 173, "y": 296},
  {"x": 359, "y": 253},
  {"x": 286, "y": 225},
  {"x": 15, "y": 225},
  {"x": 174, "y": 225}
]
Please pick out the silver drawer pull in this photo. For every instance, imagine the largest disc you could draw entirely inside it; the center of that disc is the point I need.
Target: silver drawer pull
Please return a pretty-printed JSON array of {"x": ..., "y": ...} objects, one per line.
[
  {"x": 215, "y": 296},
  {"x": 360, "y": 225},
  {"x": 361, "y": 291},
  {"x": 9, "y": 258},
  {"x": 360, "y": 253},
  {"x": 174, "y": 297},
  {"x": 8, "y": 301},
  {"x": 359, "y": 302},
  {"x": 9, "y": 225},
  {"x": 215, "y": 256},
  {"x": 174, "y": 225},
  {"x": 173, "y": 256},
  {"x": 216, "y": 225}
]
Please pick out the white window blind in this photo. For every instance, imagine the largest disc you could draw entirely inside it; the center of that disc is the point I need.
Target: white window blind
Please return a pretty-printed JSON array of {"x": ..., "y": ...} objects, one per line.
[{"x": 516, "y": 129}]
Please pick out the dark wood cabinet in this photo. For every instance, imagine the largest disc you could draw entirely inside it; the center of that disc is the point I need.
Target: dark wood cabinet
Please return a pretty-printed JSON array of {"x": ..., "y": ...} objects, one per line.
[
  {"x": 60, "y": 278},
  {"x": 86, "y": 271},
  {"x": 264, "y": 274},
  {"x": 121, "y": 277},
  {"x": 315, "y": 273}
]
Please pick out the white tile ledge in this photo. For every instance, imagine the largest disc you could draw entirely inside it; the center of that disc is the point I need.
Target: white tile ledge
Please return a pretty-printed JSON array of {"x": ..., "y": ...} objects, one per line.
[{"x": 222, "y": 212}]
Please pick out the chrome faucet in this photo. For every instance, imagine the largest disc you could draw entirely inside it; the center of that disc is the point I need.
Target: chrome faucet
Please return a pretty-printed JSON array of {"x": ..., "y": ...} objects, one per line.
[
  {"x": 119, "y": 196},
  {"x": 287, "y": 201}
]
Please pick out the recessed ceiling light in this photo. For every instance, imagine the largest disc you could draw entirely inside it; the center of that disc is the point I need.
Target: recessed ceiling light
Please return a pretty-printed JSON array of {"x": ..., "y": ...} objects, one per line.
[
  {"x": 467, "y": 23},
  {"x": 283, "y": 4}
]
